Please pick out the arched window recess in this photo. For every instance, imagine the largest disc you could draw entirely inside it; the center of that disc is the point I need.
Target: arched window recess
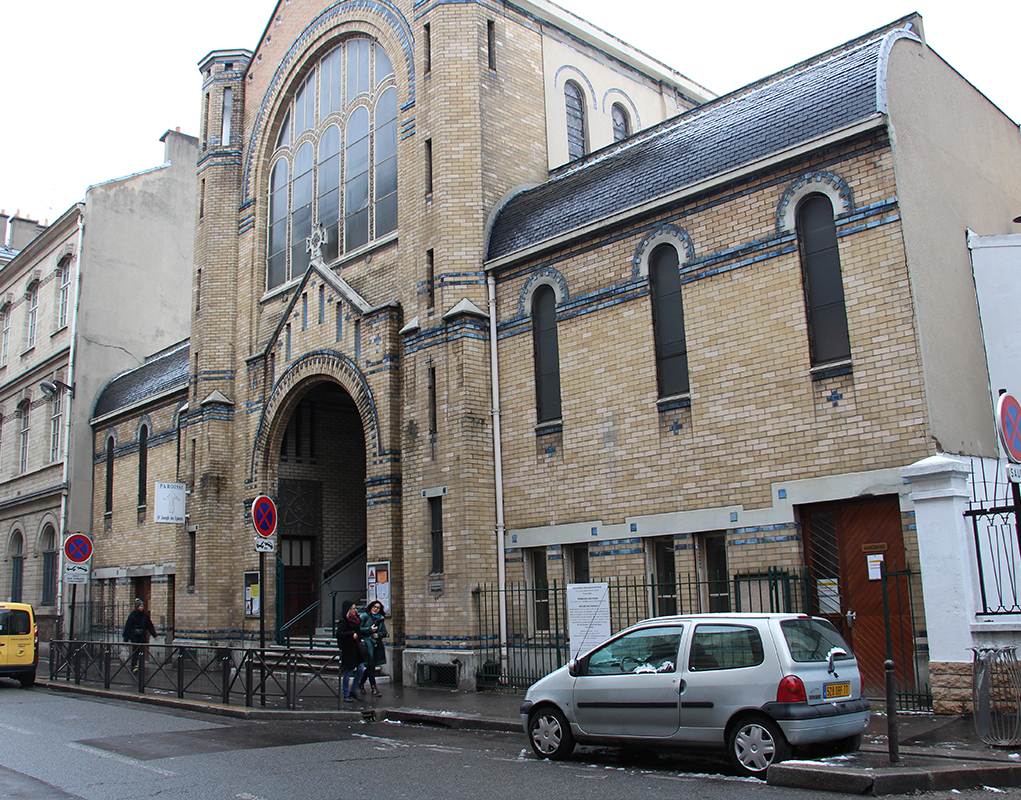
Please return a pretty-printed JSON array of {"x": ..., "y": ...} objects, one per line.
[{"x": 335, "y": 159}]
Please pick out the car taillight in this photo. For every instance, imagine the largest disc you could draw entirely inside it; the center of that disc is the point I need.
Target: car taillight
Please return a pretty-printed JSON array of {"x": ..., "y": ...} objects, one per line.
[{"x": 791, "y": 690}]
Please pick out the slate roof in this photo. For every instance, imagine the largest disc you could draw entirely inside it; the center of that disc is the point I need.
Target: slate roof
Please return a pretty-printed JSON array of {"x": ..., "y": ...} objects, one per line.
[
  {"x": 820, "y": 96},
  {"x": 164, "y": 371}
]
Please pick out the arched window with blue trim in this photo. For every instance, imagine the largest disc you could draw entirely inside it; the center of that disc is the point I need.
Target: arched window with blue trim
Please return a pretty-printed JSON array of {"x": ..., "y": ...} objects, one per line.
[
  {"x": 547, "y": 353},
  {"x": 823, "y": 282},
  {"x": 668, "y": 321}
]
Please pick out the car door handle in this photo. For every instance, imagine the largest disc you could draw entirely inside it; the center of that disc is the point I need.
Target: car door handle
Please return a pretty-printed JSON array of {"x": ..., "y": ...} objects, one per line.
[{"x": 681, "y": 686}]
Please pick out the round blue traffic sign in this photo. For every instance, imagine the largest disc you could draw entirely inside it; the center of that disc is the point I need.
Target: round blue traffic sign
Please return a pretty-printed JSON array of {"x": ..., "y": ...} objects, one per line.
[
  {"x": 78, "y": 548},
  {"x": 1008, "y": 419},
  {"x": 264, "y": 515}
]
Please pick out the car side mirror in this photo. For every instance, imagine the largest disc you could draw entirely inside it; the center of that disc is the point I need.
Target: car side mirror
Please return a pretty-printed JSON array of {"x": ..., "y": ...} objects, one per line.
[{"x": 577, "y": 667}]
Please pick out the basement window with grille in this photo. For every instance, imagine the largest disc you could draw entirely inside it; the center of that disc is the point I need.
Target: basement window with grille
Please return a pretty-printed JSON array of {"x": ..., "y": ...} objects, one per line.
[{"x": 437, "y": 675}]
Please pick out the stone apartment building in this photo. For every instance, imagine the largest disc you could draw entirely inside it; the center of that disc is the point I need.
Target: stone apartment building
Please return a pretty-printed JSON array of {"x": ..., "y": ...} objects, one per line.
[
  {"x": 482, "y": 295},
  {"x": 87, "y": 298}
]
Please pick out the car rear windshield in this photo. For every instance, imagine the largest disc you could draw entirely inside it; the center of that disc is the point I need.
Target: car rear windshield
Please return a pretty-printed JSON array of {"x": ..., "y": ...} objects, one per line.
[
  {"x": 811, "y": 639},
  {"x": 14, "y": 622}
]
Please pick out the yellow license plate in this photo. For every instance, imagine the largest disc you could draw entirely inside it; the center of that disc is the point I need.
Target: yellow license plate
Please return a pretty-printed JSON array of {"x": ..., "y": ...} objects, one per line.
[{"x": 838, "y": 690}]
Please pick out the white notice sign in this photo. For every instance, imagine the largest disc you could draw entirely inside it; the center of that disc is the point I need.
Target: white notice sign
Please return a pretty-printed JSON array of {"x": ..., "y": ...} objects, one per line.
[
  {"x": 588, "y": 615},
  {"x": 169, "y": 502},
  {"x": 875, "y": 562},
  {"x": 76, "y": 573}
]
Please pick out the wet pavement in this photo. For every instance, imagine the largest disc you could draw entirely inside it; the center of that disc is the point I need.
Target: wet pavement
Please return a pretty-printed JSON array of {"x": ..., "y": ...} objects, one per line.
[{"x": 935, "y": 752}]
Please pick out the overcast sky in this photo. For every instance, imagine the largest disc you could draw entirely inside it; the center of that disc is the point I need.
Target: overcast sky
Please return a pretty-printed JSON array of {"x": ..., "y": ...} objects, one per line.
[{"x": 89, "y": 87}]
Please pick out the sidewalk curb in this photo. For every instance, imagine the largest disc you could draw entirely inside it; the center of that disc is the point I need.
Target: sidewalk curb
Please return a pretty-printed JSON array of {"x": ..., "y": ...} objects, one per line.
[
  {"x": 418, "y": 716},
  {"x": 447, "y": 719},
  {"x": 895, "y": 779},
  {"x": 216, "y": 709}
]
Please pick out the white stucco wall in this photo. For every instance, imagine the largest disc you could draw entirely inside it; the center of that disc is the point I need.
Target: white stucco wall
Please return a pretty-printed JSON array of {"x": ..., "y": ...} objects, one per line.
[
  {"x": 996, "y": 262},
  {"x": 957, "y": 161},
  {"x": 135, "y": 288}
]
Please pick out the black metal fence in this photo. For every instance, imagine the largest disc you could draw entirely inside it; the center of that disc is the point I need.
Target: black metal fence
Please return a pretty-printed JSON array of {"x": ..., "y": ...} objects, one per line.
[
  {"x": 537, "y": 616},
  {"x": 227, "y": 675},
  {"x": 992, "y": 510}
]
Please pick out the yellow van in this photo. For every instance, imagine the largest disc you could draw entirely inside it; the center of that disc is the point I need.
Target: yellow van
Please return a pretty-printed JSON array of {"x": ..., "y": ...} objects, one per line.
[{"x": 19, "y": 642}]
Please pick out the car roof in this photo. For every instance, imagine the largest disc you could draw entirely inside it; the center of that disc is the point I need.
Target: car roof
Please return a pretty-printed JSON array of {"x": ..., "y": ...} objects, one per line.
[
  {"x": 19, "y": 606},
  {"x": 716, "y": 617}
]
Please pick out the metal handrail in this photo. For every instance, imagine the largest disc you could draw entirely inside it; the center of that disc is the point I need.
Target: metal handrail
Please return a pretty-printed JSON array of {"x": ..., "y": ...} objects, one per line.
[{"x": 283, "y": 631}]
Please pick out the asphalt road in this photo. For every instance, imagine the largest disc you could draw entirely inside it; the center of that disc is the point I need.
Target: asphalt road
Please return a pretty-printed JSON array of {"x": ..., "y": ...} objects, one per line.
[{"x": 66, "y": 746}]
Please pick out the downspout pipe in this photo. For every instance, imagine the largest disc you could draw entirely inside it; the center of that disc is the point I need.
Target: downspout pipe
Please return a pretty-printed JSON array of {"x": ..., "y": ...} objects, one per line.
[
  {"x": 501, "y": 528},
  {"x": 65, "y": 469}
]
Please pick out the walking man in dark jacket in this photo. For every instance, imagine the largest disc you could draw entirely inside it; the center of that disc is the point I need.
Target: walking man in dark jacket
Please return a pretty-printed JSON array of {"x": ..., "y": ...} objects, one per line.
[{"x": 138, "y": 629}]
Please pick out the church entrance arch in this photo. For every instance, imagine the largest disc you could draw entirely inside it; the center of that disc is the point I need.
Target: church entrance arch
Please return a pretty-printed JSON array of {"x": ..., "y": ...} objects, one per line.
[{"x": 316, "y": 452}]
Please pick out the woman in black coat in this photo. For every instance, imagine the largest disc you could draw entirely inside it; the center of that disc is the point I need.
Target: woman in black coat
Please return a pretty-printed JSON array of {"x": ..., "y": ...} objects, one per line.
[
  {"x": 352, "y": 660},
  {"x": 138, "y": 628}
]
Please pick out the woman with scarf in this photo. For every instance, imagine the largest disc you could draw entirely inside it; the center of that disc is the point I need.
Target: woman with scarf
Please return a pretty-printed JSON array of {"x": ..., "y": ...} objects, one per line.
[
  {"x": 373, "y": 632},
  {"x": 352, "y": 660}
]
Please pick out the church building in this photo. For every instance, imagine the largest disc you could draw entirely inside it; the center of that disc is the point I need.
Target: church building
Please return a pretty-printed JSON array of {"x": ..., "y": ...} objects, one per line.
[{"x": 484, "y": 297}]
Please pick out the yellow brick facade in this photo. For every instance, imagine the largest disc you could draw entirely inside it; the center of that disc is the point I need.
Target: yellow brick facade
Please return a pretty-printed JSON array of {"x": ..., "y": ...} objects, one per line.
[{"x": 359, "y": 392}]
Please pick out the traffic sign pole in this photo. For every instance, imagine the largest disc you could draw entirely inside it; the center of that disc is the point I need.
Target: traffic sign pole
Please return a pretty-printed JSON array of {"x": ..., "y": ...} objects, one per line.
[
  {"x": 77, "y": 550},
  {"x": 1008, "y": 422}
]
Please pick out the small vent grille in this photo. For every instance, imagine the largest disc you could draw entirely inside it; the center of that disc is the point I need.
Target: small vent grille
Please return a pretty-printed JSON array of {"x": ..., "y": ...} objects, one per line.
[{"x": 437, "y": 675}]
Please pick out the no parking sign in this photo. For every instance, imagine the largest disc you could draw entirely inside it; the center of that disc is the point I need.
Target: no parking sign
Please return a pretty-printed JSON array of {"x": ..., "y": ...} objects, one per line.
[
  {"x": 1008, "y": 422},
  {"x": 77, "y": 551}
]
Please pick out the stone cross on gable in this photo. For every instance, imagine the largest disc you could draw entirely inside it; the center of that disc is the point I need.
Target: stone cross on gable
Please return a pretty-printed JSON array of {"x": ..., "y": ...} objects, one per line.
[{"x": 314, "y": 243}]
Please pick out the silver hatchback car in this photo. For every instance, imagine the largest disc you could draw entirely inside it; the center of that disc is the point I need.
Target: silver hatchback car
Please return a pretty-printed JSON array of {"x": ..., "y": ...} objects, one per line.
[{"x": 755, "y": 684}]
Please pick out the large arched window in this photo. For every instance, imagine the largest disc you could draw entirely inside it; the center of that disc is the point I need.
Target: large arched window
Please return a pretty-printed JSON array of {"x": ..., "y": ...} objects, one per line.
[
  {"x": 335, "y": 160},
  {"x": 668, "y": 321},
  {"x": 547, "y": 353},
  {"x": 824, "y": 286},
  {"x": 575, "y": 100}
]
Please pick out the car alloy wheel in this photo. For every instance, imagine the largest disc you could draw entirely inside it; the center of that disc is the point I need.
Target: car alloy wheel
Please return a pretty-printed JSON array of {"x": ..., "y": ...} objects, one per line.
[{"x": 550, "y": 734}]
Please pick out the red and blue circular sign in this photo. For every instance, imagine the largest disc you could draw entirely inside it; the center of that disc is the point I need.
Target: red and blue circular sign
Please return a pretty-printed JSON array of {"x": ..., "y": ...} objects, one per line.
[
  {"x": 264, "y": 515},
  {"x": 78, "y": 548},
  {"x": 1008, "y": 421}
]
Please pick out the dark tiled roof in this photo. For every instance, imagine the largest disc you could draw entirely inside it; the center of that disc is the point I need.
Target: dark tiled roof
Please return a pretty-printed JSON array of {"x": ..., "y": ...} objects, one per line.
[
  {"x": 159, "y": 374},
  {"x": 807, "y": 101}
]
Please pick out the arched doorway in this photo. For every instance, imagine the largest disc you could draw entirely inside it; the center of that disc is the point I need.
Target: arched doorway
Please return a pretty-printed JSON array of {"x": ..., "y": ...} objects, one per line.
[{"x": 322, "y": 510}]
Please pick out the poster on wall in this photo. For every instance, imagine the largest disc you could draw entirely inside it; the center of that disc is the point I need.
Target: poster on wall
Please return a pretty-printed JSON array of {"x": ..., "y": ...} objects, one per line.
[
  {"x": 588, "y": 615},
  {"x": 252, "y": 599},
  {"x": 828, "y": 594},
  {"x": 169, "y": 502},
  {"x": 377, "y": 583}
]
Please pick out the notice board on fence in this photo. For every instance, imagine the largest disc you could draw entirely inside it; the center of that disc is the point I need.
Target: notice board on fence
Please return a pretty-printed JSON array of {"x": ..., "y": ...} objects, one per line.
[{"x": 588, "y": 615}]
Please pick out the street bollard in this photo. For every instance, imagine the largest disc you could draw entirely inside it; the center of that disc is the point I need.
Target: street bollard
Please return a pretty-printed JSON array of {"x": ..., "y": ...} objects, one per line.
[{"x": 891, "y": 714}]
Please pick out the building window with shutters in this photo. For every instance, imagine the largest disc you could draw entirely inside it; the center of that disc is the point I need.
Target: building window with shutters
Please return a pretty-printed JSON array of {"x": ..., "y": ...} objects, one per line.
[{"x": 49, "y": 548}]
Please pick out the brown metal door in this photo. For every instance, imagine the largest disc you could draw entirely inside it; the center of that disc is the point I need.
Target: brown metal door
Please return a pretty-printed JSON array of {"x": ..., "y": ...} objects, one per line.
[{"x": 839, "y": 538}]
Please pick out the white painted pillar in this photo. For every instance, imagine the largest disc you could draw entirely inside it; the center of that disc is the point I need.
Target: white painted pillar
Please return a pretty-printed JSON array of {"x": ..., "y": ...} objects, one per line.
[{"x": 946, "y": 554}]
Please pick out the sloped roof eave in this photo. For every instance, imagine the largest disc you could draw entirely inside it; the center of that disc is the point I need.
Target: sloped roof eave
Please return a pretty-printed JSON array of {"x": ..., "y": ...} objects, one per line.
[
  {"x": 874, "y": 122},
  {"x": 833, "y": 92}
]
